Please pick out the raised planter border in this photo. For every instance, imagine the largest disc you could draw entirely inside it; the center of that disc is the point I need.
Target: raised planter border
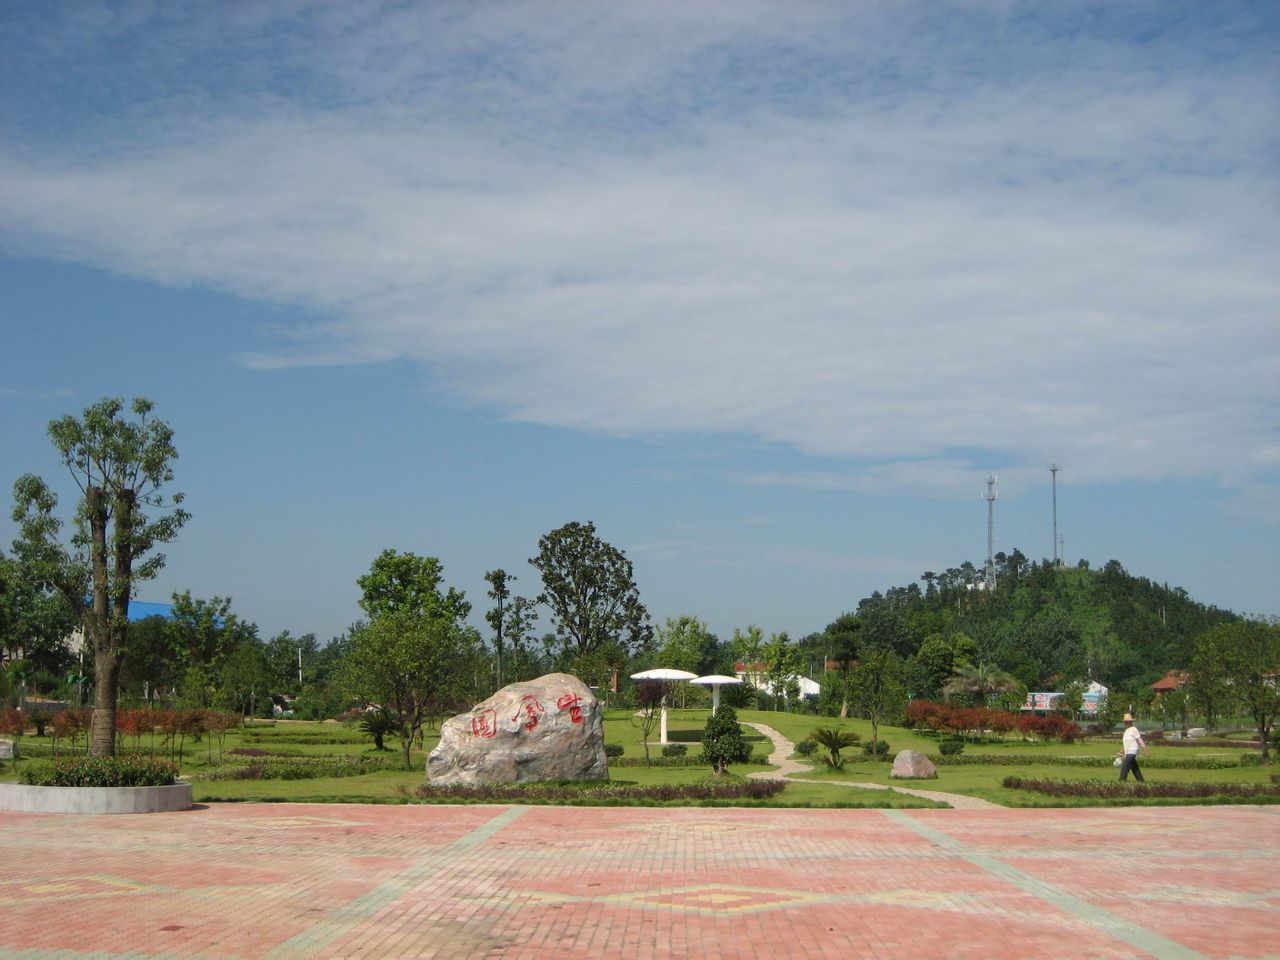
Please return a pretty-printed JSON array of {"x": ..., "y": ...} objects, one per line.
[{"x": 22, "y": 798}]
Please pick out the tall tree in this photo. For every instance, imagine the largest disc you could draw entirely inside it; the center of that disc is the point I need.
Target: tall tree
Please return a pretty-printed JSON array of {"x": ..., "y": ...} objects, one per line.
[
  {"x": 682, "y": 643},
  {"x": 747, "y": 648},
  {"x": 877, "y": 690},
  {"x": 782, "y": 667},
  {"x": 121, "y": 468},
  {"x": 412, "y": 667},
  {"x": 979, "y": 681},
  {"x": 589, "y": 587},
  {"x": 522, "y": 617},
  {"x": 410, "y": 584},
  {"x": 1248, "y": 654},
  {"x": 844, "y": 642},
  {"x": 499, "y": 593}
]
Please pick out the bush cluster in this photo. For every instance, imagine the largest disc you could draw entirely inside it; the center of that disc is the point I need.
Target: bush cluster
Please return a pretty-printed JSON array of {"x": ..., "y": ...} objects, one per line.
[
  {"x": 973, "y": 721},
  {"x": 601, "y": 792},
  {"x": 303, "y": 768},
  {"x": 612, "y": 750},
  {"x": 806, "y": 748},
  {"x": 1139, "y": 791},
  {"x": 951, "y": 747},
  {"x": 126, "y": 771}
]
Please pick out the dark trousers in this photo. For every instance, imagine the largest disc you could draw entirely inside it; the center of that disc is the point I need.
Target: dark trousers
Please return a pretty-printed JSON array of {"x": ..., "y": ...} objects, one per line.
[{"x": 1130, "y": 762}]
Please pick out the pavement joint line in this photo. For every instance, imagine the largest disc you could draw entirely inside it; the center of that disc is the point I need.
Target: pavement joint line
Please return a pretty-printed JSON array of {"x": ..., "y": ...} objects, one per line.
[
  {"x": 1097, "y": 917},
  {"x": 341, "y": 921}
]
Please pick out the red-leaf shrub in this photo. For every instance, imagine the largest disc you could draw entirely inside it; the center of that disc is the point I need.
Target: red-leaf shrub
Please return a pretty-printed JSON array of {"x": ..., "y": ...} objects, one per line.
[{"x": 13, "y": 722}]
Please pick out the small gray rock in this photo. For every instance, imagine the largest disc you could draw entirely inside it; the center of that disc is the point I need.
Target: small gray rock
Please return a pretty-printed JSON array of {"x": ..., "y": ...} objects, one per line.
[
  {"x": 551, "y": 728},
  {"x": 912, "y": 765}
]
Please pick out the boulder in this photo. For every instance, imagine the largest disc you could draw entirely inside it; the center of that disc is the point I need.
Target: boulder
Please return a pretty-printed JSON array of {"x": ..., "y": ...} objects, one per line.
[
  {"x": 912, "y": 765},
  {"x": 551, "y": 728},
  {"x": 1195, "y": 733},
  {"x": 9, "y": 750}
]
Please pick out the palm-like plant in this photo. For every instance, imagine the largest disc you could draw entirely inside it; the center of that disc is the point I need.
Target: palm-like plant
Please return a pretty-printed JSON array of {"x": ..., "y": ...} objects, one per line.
[
  {"x": 833, "y": 741},
  {"x": 980, "y": 680}
]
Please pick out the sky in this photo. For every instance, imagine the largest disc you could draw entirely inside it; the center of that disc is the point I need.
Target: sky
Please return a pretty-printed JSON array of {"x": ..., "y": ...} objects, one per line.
[{"x": 765, "y": 291}]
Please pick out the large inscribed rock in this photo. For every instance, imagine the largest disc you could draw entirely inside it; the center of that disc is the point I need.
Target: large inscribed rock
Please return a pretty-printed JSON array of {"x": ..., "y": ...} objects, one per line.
[
  {"x": 545, "y": 729},
  {"x": 912, "y": 765}
]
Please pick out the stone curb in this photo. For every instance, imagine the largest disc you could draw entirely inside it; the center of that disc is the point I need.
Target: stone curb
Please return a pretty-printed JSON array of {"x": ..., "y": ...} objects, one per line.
[{"x": 22, "y": 798}]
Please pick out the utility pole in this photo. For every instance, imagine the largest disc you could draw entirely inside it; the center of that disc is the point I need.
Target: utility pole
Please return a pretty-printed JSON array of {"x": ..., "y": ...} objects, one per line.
[
  {"x": 299, "y": 667},
  {"x": 1053, "y": 469},
  {"x": 990, "y": 497}
]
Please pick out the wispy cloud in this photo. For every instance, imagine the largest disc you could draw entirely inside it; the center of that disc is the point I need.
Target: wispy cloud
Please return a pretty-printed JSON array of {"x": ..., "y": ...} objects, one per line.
[{"x": 883, "y": 236}]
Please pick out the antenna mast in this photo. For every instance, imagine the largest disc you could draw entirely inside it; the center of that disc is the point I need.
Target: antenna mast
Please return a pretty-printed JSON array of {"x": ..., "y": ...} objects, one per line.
[
  {"x": 1053, "y": 469},
  {"x": 990, "y": 497}
]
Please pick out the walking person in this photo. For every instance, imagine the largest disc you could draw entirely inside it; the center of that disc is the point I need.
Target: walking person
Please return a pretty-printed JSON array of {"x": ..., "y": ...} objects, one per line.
[{"x": 1132, "y": 743}]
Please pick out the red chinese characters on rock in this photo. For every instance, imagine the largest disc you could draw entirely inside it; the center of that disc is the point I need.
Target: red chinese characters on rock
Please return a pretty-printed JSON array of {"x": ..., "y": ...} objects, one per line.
[
  {"x": 485, "y": 724},
  {"x": 571, "y": 701},
  {"x": 532, "y": 709}
]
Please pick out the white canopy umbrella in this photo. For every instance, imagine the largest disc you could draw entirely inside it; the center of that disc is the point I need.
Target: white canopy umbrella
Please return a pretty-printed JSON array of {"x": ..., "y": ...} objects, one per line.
[
  {"x": 715, "y": 681},
  {"x": 663, "y": 673}
]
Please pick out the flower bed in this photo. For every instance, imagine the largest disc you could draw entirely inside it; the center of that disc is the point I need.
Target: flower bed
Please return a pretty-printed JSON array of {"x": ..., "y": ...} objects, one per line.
[{"x": 601, "y": 793}]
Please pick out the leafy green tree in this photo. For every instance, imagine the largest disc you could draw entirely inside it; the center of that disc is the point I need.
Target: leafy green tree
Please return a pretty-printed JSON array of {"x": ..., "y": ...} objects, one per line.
[
  {"x": 589, "y": 587},
  {"x": 877, "y": 689},
  {"x": 205, "y": 632},
  {"x": 843, "y": 638},
  {"x": 520, "y": 632},
  {"x": 1248, "y": 652},
  {"x": 747, "y": 648},
  {"x": 243, "y": 679},
  {"x": 682, "y": 643},
  {"x": 121, "y": 468},
  {"x": 153, "y": 665},
  {"x": 722, "y": 740},
  {"x": 1073, "y": 699},
  {"x": 412, "y": 667},
  {"x": 1110, "y": 710},
  {"x": 409, "y": 584},
  {"x": 35, "y": 620},
  {"x": 499, "y": 593},
  {"x": 283, "y": 654},
  {"x": 782, "y": 667}
]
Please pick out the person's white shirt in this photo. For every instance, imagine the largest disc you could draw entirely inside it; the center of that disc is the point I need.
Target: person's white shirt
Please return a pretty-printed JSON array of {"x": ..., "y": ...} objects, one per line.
[{"x": 1133, "y": 740}]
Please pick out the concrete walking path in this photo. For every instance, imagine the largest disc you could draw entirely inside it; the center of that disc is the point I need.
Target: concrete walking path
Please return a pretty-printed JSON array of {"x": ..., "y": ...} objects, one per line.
[{"x": 781, "y": 757}]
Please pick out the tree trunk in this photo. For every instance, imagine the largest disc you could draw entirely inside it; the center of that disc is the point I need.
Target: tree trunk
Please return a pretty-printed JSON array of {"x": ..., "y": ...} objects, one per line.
[{"x": 103, "y": 725}]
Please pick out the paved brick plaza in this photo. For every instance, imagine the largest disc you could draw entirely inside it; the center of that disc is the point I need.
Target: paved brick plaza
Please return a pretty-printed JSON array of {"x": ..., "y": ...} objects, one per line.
[{"x": 320, "y": 880}]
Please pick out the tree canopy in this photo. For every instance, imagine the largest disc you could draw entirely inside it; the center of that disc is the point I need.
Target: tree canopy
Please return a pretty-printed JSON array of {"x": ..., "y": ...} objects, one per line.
[
  {"x": 589, "y": 587},
  {"x": 121, "y": 467}
]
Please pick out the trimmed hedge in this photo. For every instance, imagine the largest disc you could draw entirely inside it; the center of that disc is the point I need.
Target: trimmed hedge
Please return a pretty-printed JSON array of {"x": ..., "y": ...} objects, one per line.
[
  {"x": 1155, "y": 763},
  {"x": 601, "y": 792},
  {"x": 759, "y": 759},
  {"x": 1142, "y": 791},
  {"x": 125, "y": 771},
  {"x": 303, "y": 768}
]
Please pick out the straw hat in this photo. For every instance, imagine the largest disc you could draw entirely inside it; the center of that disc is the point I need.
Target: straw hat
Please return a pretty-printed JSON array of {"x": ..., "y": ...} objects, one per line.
[{"x": 1128, "y": 718}]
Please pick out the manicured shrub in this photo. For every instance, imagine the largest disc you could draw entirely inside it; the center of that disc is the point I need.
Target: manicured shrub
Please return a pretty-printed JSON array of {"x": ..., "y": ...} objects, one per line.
[
  {"x": 126, "y": 771},
  {"x": 722, "y": 740},
  {"x": 876, "y": 751},
  {"x": 674, "y": 750},
  {"x": 612, "y": 750},
  {"x": 806, "y": 748},
  {"x": 951, "y": 748}
]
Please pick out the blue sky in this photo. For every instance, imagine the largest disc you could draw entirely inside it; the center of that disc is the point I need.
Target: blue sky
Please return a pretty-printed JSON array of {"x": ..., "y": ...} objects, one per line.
[{"x": 765, "y": 292}]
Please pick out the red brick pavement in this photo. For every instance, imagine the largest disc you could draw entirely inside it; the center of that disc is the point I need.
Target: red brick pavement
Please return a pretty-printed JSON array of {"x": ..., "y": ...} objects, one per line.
[{"x": 312, "y": 880}]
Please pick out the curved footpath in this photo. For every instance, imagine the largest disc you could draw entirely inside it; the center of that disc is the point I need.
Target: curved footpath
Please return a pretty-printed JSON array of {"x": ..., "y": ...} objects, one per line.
[{"x": 780, "y": 757}]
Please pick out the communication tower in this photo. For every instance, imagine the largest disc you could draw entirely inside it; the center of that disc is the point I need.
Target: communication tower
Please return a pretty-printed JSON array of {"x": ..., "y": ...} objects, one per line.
[
  {"x": 990, "y": 497},
  {"x": 1053, "y": 469}
]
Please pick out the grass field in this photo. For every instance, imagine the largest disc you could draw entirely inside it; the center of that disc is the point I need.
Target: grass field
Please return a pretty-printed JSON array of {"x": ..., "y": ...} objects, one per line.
[{"x": 1033, "y": 760}]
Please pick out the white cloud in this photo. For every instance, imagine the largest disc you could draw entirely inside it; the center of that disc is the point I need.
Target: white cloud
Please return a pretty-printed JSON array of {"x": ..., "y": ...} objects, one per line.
[{"x": 641, "y": 223}]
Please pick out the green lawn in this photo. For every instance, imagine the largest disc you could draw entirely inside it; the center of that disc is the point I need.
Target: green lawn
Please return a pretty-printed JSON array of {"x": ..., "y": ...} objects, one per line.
[{"x": 684, "y": 726}]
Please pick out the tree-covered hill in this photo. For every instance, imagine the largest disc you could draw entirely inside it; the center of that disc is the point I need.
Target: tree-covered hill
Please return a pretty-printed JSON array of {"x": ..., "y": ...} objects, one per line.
[{"x": 1046, "y": 626}]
